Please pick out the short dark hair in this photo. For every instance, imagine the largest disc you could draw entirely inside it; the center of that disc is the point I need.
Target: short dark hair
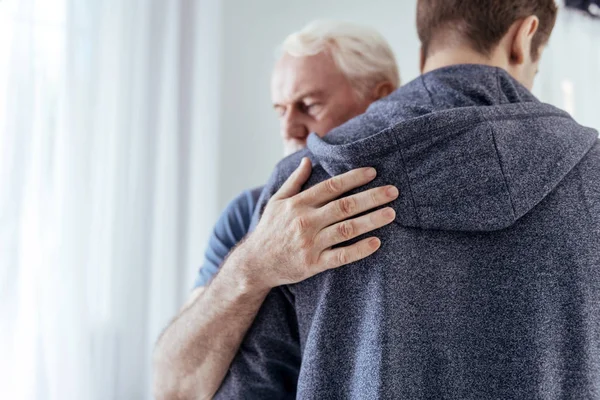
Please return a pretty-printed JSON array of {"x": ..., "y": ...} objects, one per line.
[{"x": 481, "y": 23}]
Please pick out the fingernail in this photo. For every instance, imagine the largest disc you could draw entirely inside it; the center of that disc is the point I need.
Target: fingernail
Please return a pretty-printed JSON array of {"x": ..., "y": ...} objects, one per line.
[
  {"x": 392, "y": 191},
  {"x": 389, "y": 213},
  {"x": 370, "y": 173},
  {"x": 374, "y": 243}
]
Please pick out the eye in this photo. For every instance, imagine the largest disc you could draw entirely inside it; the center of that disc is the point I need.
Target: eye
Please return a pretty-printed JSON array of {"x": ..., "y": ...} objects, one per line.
[{"x": 312, "y": 108}]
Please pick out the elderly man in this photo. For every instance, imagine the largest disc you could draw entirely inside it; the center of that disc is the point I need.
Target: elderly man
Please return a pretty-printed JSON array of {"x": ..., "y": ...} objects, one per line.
[
  {"x": 487, "y": 284},
  {"x": 329, "y": 72}
]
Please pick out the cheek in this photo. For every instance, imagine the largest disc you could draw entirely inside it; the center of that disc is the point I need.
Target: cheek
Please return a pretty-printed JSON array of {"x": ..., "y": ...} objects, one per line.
[
  {"x": 351, "y": 108},
  {"x": 322, "y": 127},
  {"x": 330, "y": 120},
  {"x": 335, "y": 116}
]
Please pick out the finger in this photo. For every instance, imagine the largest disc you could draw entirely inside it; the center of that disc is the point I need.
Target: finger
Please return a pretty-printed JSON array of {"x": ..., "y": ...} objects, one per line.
[
  {"x": 333, "y": 188},
  {"x": 346, "y": 230},
  {"x": 293, "y": 184},
  {"x": 350, "y": 206},
  {"x": 335, "y": 258}
]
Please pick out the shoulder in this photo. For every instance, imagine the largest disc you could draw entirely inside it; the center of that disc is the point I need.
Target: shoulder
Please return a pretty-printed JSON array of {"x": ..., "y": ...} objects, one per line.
[
  {"x": 281, "y": 173},
  {"x": 237, "y": 215},
  {"x": 288, "y": 165},
  {"x": 245, "y": 202},
  {"x": 252, "y": 196}
]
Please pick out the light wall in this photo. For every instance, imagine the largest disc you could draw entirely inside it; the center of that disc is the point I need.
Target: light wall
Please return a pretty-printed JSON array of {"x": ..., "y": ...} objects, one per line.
[
  {"x": 249, "y": 134},
  {"x": 249, "y": 143}
]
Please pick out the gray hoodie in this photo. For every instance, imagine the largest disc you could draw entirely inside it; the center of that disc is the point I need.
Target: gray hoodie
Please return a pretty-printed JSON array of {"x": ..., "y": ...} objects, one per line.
[{"x": 487, "y": 286}]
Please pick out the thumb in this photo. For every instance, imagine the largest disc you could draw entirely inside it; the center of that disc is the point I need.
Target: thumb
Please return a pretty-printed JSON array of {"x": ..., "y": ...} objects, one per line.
[{"x": 293, "y": 184}]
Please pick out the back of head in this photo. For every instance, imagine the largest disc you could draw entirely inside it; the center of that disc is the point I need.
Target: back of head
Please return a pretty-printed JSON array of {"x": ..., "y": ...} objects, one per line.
[
  {"x": 481, "y": 24},
  {"x": 361, "y": 53}
]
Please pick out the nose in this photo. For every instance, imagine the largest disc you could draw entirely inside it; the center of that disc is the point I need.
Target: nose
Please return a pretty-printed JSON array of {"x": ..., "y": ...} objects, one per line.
[{"x": 292, "y": 126}]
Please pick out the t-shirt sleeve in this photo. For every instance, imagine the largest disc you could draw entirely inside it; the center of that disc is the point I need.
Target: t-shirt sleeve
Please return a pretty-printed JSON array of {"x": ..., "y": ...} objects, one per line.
[
  {"x": 267, "y": 364},
  {"x": 230, "y": 229}
]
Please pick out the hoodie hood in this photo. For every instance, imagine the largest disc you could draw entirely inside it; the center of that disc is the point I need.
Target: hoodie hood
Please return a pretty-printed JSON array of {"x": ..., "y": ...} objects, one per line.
[{"x": 469, "y": 148}]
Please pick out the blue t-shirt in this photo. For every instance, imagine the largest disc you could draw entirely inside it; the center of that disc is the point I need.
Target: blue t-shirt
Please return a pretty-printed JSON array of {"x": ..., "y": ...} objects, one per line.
[{"x": 231, "y": 227}]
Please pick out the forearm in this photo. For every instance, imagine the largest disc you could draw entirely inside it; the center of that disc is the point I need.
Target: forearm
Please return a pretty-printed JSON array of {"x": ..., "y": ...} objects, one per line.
[
  {"x": 297, "y": 238},
  {"x": 194, "y": 353}
]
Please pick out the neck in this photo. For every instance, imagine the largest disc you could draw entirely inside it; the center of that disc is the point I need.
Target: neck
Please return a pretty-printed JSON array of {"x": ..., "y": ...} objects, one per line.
[{"x": 460, "y": 55}]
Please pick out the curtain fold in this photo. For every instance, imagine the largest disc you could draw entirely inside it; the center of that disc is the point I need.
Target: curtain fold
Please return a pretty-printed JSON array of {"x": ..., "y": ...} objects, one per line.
[
  {"x": 109, "y": 121},
  {"x": 97, "y": 138}
]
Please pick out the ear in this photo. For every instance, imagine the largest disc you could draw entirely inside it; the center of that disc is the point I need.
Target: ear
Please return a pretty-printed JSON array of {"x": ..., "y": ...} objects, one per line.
[
  {"x": 521, "y": 44},
  {"x": 421, "y": 59},
  {"x": 382, "y": 90}
]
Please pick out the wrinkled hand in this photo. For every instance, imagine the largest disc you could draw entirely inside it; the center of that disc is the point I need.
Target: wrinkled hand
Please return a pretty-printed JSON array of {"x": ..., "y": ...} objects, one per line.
[{"x": 294, "y": 238}]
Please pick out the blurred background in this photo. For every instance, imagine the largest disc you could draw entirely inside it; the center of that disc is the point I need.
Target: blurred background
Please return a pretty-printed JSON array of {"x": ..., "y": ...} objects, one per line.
[{"x": 125, "y": 127}]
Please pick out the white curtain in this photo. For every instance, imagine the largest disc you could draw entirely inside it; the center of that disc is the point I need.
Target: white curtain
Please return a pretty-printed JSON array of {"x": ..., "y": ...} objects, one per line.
[
  {"x": 109, "y": 114},
  {"x": 105, "y": 193}
]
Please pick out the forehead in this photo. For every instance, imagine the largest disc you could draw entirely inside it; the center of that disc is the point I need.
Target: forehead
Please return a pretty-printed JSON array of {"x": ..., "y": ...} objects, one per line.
[{"x": 295, "y": 76}]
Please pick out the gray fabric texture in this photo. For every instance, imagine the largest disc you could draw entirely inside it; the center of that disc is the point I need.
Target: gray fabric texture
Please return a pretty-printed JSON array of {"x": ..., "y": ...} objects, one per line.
[{"x": 487, "y": 285}]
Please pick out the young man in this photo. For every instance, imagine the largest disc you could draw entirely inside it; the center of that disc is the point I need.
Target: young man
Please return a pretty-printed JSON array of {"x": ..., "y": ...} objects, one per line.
[
  {"x": 487, "y": 284},
  {"x": 329, "y": 72}
]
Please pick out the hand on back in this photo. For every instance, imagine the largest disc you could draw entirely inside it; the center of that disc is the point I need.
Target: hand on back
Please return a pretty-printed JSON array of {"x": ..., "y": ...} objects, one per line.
[{"x": 294, "y": 238}]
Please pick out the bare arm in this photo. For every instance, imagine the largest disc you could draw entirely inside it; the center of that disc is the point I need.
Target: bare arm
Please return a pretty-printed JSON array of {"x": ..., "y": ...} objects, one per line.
[
  {"x": 291, "y": 243},
  {"x": 194, "y": 353}
]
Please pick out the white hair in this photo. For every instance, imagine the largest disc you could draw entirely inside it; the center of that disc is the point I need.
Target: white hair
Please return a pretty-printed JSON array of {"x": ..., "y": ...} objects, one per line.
[{"x": 361, "y": 53}]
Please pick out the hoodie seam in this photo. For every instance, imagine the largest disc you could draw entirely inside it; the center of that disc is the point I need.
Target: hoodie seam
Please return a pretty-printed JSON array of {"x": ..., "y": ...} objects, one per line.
[
  {"x": 504, "y": 176},
  {"x": 398, "y": 145},
  {"x": 408, "y": 183},
  {"x": 427, "y": 90}
]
